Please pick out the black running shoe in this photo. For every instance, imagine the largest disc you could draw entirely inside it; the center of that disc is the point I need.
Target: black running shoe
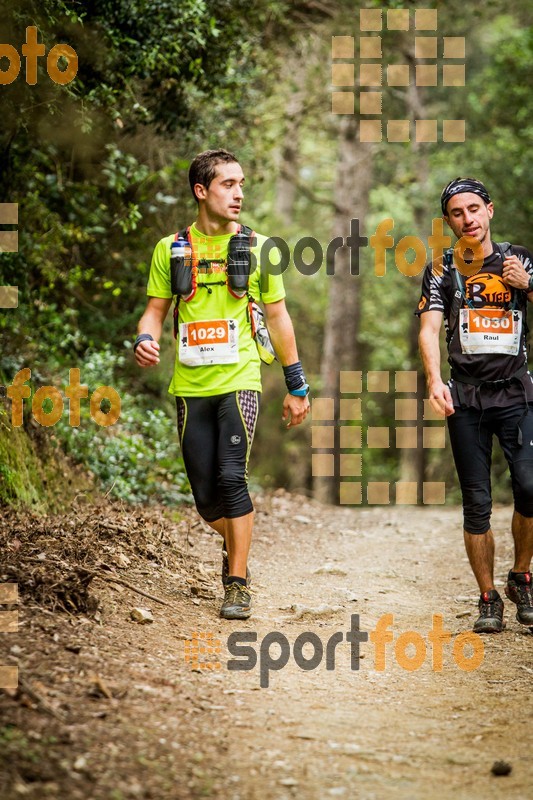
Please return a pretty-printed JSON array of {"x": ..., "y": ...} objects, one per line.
[
  {"x": 237, "y": 602},
  {"x": 518, "y": 590},
  {"x": 490, "y": 618},
  {"x": 225, "y": 569}
]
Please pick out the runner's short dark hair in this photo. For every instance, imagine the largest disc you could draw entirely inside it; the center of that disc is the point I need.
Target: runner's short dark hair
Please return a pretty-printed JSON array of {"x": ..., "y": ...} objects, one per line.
[{"x": 203, "y": 167}]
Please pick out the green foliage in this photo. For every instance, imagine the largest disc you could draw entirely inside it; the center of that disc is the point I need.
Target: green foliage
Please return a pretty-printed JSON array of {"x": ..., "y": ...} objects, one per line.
[
  {"x": 137, "y": 459},
  {"x": 92, "y": 200},
  {"x": 20, "y": 477},
  {"x": 33, "y": 470},
  {"x": 95, "y": 193}
]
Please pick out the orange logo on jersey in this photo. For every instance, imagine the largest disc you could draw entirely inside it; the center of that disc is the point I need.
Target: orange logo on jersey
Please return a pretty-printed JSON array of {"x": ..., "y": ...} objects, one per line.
[
  {"x": 422, "y": 303},
  {"x": 207, "y": 267},
  {"x": 487, "y": 289}
]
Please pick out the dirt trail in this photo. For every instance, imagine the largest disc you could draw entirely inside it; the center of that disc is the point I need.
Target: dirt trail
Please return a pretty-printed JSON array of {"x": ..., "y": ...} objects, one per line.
[{"x": 169, "y": 731}]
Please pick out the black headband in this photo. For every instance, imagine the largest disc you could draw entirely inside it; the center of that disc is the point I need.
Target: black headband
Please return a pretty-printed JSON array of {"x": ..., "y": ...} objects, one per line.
[{"x": 460, "y": 185}]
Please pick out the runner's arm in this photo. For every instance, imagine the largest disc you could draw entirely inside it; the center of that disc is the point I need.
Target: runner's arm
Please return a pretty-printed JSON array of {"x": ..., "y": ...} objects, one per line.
[
  {"x": 281, "y": 332},
  {"x": 283, "y": 340},
  {"x": 428, "y": 340},
  {"x": 147, "y": 353}
]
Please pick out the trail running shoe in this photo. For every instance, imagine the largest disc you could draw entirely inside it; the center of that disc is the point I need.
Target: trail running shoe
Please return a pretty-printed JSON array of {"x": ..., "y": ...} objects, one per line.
[
  {"x": 237, "y": 602},
  {"x": 490, "y": 618},
  {"x": 518, "y": 590},
  {"x": 225, "y": 569}
]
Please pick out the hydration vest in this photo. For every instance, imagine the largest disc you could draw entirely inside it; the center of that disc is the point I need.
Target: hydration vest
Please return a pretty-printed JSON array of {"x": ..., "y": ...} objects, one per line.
[
  {"x": 188, "y": 281},
  {"x": 460, "y": 297},
  {"x": 237, "y": 278}
]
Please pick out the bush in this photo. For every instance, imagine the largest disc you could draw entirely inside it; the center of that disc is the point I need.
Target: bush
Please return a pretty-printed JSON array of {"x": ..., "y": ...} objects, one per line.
[{"x": 138, "y": 458}]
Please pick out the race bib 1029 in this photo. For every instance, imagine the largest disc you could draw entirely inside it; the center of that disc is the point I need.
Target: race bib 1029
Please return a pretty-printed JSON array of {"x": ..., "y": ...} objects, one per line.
[{"x": 214, "y": 341}]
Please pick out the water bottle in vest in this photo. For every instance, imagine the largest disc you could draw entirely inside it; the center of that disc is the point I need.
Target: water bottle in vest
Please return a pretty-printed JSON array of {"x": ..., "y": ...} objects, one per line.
[
  {"x": 180, "y": 267},
  {"x": 239, "y": 263}
]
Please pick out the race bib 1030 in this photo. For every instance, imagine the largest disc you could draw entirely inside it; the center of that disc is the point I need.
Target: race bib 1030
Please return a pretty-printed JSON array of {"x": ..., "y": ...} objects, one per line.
[{"x": 490, "y": 330}]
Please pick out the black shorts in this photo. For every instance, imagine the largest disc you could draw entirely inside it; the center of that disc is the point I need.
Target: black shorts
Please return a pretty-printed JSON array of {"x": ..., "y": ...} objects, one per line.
[
  {"x": 216, "y": 435},
  {"x": 471, "y": 433}
]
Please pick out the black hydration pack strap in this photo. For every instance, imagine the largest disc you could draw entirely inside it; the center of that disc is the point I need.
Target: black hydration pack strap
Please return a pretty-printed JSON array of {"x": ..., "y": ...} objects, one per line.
[{"x": 501, "y": 383}]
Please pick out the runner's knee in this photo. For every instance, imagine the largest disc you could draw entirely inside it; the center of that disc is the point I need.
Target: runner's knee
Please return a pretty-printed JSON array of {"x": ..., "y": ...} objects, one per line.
[
  {"x": 232, "y": 483},
  {"x": 231, "y": 477},
  {"x": 207, "y": 503},
  {"x": 477, "y": 507},
  {"x": 523, "y": 487},
  {"x": 234, "y": 490}
]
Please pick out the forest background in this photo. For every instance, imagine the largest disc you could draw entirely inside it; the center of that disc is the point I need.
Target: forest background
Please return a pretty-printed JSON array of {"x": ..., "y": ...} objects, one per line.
[{"x": 98, "y": 168}]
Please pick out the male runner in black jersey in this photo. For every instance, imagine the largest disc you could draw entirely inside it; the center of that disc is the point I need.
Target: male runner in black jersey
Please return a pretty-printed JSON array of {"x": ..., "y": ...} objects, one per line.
[{"x": 490, "y": 391}]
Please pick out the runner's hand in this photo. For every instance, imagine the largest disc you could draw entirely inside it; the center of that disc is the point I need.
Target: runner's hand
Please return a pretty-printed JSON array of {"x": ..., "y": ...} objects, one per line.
[
  {"x": 440, "y": 399},
  {"x": 514, "y": 274},
  {"x": 147, "y": 354},
  {"x": 295, "y": 409}
]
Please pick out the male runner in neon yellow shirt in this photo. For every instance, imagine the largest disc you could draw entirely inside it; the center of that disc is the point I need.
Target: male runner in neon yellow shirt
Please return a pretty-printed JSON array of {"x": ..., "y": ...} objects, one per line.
[{"x": 217, "y": 394}]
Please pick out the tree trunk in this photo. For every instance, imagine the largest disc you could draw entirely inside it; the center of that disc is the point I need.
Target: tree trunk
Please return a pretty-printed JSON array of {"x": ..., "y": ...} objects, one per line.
[
  {"x": 413, "y": 464},
  {"x": 288, "y": 173},
  {"x": 341, "y": 351}
]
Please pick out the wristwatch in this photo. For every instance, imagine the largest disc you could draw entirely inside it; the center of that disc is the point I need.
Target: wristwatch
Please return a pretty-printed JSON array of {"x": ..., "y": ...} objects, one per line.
[{"x": 303, "y": 391}]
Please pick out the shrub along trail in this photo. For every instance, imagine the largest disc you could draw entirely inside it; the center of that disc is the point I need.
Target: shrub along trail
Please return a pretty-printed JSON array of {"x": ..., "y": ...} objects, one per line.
[{"x": 109, "y": 708}]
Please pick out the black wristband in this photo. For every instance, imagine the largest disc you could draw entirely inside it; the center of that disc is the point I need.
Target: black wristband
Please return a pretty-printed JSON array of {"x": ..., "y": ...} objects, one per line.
[
  {"x": 142, "y": 337},
  {"x": 294, "y": 376},
  {"x": 530, "y": 285}
]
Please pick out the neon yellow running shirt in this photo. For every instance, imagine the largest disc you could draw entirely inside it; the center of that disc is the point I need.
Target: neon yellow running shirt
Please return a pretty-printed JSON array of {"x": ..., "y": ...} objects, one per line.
[{"x": 207, "y": 380}]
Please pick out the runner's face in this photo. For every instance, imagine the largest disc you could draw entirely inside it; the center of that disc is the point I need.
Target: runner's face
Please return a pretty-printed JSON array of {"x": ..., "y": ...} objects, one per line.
[
  {"x": 223, "y": 198},
  {"x": 468, "y": 215}
]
